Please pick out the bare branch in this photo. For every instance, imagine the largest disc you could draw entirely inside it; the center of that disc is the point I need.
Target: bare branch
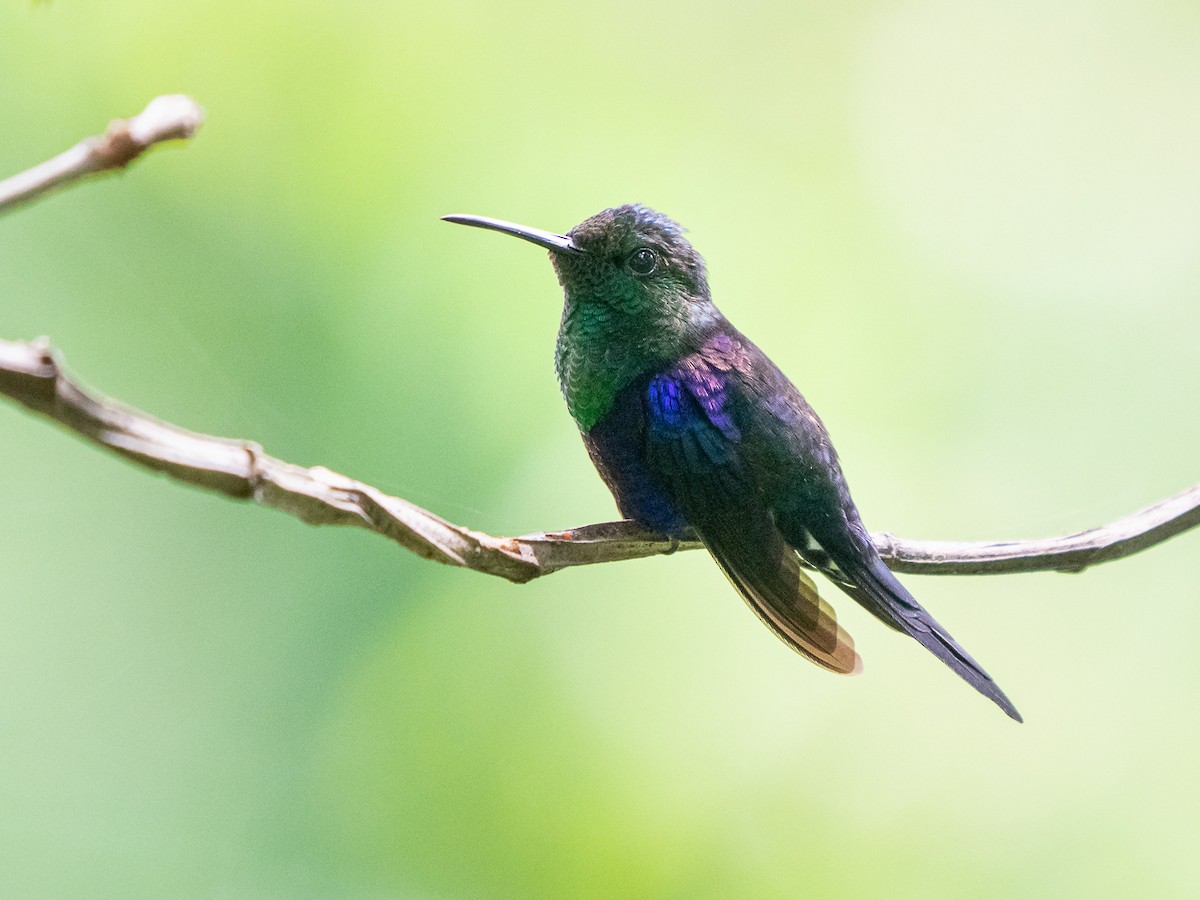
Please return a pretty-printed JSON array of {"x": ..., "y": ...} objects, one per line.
[
  {"x": 167, "y": 118},
  {"x": 32, "y": 374}
]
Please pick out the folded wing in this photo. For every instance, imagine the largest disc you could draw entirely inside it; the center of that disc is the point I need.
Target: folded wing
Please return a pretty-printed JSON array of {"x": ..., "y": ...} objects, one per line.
[{"x": 693, "y": 446}]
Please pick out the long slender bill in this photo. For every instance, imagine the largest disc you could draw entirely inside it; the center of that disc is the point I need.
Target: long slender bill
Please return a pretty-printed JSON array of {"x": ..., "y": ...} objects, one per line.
[{"x": 548, "y": 239}]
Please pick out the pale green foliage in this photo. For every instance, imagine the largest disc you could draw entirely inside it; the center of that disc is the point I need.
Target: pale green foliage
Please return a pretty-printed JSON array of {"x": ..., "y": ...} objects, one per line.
[{"x": 967, "y": 231}]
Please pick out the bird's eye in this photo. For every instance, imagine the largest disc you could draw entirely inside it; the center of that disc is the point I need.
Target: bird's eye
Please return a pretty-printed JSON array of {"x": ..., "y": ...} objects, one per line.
[{"x": 643, "y": 261}]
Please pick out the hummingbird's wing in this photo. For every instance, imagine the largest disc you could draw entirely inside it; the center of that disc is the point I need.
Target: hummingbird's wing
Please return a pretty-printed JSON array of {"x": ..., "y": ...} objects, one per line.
[
  {"x": 767, "y": 574},
  {"x": 692, "y": 444}
]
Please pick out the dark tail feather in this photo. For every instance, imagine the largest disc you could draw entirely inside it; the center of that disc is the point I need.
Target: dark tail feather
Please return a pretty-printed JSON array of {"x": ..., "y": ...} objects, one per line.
[{"x": 877, "y": 589}]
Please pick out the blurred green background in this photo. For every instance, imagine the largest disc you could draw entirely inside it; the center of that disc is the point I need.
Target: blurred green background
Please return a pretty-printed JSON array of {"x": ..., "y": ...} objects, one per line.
[{"x": 971, "y": 234}]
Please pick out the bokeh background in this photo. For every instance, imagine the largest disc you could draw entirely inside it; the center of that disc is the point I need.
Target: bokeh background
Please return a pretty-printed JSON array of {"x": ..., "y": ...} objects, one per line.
[{"x": 969, "y": 231}]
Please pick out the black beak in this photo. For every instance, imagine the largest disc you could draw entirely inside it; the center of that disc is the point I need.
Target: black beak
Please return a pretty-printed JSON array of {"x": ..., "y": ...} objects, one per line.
[{"x": 559, "y": 243}]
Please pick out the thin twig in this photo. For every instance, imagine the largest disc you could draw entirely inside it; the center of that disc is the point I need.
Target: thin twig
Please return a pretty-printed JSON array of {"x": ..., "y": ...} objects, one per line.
[
  {"x": 32, "y": 374},
  {"x": 167, "y": 118}
]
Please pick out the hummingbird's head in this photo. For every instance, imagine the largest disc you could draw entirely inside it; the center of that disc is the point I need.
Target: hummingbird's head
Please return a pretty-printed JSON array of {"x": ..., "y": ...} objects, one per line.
[
  {"x": 629, "y": 261},
  {"x": 634, "y": 259}
]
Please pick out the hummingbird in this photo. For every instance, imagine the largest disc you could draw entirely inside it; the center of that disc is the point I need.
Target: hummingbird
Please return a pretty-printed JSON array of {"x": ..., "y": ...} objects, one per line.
[{"x": 692, "y": 427}]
